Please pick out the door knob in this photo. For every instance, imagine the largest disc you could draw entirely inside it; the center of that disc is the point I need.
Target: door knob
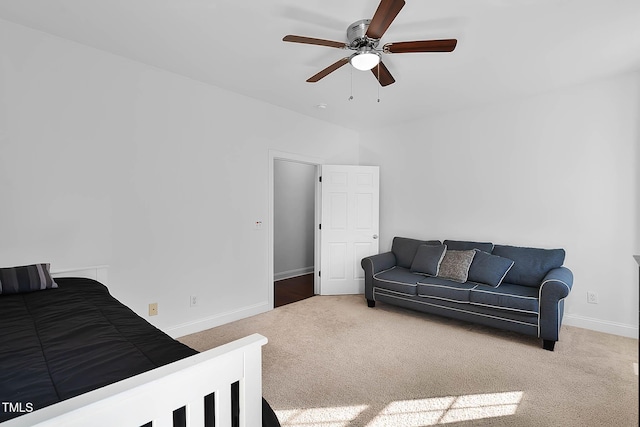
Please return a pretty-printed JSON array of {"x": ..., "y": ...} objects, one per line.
[{"x": 375, "y": 236}]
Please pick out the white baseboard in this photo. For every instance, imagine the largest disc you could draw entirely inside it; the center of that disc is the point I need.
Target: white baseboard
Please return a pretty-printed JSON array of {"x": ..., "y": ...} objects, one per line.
[
  {"x": 293, "y": 273},
  {"x": 599, "y": 325},
  {"x": 217, "y": 320}
]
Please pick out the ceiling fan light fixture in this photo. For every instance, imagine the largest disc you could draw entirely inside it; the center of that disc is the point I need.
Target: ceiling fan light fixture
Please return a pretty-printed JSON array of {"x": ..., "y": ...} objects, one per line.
[{"x": 365, "y": 60}]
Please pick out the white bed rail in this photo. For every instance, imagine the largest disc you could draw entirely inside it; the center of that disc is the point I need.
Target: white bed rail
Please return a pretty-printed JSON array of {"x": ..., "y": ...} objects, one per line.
[{"x": 154, "y": 395}]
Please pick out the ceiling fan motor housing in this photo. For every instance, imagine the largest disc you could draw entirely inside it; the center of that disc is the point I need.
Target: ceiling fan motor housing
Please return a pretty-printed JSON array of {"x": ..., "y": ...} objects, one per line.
[{"x": 356, "y": 35}]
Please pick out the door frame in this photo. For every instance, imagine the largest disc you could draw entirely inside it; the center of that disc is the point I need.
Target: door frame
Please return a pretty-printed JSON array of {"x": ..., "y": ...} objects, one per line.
[{"x": 298, "y": 158}]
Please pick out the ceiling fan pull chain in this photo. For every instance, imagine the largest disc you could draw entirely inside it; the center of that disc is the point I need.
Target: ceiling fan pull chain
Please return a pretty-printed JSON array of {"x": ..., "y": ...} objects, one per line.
[
  {"x": 378, "y": 86},
  {"x": 351, "y": 97}
]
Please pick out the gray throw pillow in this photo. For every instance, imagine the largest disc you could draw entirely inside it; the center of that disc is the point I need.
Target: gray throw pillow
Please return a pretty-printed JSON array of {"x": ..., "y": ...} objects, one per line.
[
  {"x": 428, "y": 258},
  {"x": 489, "y": 269},
  {"x": 455, "y": 265},
  {"x": 26, "y": 278}
]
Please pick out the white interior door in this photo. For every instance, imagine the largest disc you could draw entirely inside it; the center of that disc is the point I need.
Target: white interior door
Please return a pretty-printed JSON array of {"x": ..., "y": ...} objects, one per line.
[{"x": 349, "y": 226}]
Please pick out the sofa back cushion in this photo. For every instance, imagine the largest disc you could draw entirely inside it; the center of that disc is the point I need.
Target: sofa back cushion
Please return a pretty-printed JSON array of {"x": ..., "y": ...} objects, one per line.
[
  {"x": 530, "y": 265},
  {"x": 462, "y": 245},
  {"x": 405, "y": 249}
]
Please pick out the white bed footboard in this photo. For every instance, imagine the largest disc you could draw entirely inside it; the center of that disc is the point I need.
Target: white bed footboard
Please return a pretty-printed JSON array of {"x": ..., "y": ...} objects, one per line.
[{"x": 154, "y": 395}]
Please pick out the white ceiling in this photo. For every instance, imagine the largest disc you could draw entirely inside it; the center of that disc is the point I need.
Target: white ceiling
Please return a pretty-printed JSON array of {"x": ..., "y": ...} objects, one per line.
[{"x": 506, "y": 48}]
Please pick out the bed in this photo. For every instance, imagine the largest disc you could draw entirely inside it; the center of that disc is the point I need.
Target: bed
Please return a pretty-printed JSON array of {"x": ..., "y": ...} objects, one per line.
[{"x": 73, "y": 355}]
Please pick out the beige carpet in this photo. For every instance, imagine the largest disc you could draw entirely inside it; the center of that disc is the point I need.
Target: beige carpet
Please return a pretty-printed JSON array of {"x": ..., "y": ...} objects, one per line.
[{"x": 332, "y": 362}]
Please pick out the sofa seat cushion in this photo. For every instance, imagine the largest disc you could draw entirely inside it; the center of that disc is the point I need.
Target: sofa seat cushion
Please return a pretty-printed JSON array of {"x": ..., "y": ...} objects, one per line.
[
  {"x": 397, "y": 279},
  {"x": 508, "y": 297},
  {"x": 439, "y": 288}
]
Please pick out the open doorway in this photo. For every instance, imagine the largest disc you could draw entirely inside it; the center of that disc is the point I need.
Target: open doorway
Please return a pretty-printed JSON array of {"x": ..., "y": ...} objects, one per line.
[
  {"x": 347, "y": 191},
  {"x": 294, "y": 230}
]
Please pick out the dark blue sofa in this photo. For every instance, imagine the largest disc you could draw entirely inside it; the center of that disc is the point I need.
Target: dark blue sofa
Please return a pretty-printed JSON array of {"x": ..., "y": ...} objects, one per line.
[{"x": 514, "y": 288}]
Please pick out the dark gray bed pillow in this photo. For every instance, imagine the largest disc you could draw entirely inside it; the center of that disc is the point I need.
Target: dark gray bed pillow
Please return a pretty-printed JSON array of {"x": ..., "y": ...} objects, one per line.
[
  {"x": 25, "y": 278},
  {"x": 489, "y": 269},
  {"x": 428, "y": 258},
  {"x": 455, "y": 265}
]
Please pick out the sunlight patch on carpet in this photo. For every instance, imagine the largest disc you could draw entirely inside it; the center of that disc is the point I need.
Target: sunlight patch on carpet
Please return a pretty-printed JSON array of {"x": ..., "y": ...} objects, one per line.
[
  {"x": 409, "y": 413},
  {"x": 338, "y": 416},
  {"x": 450, "y": 409}
]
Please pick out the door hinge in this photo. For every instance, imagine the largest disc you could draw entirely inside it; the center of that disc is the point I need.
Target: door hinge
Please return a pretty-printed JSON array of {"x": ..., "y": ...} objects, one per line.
[
  {"x": 320, "y": 179},
  {"x": 319, "y": 226},
  {"x": 319, "y": 273}
]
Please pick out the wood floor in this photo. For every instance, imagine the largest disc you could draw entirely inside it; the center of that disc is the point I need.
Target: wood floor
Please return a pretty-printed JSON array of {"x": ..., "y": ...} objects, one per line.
[{"x": 294, "y": 289}]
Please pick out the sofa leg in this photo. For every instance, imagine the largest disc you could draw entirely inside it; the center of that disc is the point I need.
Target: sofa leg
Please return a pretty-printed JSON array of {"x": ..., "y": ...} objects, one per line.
[
  {"x": 371, "y": 303},
  {"x": 548, "y": 344}
]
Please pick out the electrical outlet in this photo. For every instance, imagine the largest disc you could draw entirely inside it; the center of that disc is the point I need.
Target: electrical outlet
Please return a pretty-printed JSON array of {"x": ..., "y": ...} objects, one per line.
[
  {"x": 153, "y": 309},
  {"x": 592, "y": 297},
  {"x": 193, "y": 301}
]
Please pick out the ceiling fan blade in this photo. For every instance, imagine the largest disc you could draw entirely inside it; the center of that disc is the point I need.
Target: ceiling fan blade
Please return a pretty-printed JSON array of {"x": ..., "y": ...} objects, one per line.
[
  {"x": 382, "y": 74},
  {"x": 311, "y": 40},
  {"x": 447, "y": 45},
  {"x": 384, "y": 16},
  {"x": 330, "y": 69}
]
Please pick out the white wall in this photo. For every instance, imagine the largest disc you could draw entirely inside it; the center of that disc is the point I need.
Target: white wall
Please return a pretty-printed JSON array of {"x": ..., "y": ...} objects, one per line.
[
  {"x": 555, "y": 170},
  {"x": 108, "y": 161},
  {"x": 294, "y": 218}
]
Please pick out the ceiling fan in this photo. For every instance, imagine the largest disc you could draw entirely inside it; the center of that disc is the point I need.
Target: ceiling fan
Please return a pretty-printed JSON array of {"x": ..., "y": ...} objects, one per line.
[{"x": 364, "y": 36}]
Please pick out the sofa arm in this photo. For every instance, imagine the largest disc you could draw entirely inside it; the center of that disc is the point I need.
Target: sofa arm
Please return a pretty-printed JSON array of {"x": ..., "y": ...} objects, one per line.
[
  {"x": 555, "y": 287},
  {"x": 377, "y": 263},
  {"x": 374, "y": 264},
  {"x": 557, "y": 283}
]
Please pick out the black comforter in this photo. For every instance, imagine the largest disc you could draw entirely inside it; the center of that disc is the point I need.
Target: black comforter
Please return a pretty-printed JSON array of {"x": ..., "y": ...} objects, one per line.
[{"x": 59, "y": 343}]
